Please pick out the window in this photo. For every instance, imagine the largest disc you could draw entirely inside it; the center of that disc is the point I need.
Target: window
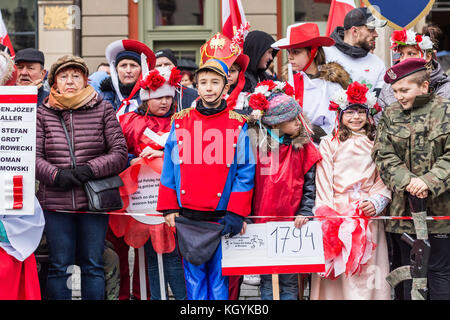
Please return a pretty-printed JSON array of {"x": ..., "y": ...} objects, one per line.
[
  {"x": 312, "y": 11},
  {"x": 181, "y": 25},
  {"x": 441, "y": 5},
  {"x": 178, "y": 12},
  {"x": 20, "y": 17}
]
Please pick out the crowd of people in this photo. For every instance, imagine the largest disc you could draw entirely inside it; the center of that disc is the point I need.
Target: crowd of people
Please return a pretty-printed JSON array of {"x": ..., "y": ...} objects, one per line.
[{"x": 337, "y": 134}]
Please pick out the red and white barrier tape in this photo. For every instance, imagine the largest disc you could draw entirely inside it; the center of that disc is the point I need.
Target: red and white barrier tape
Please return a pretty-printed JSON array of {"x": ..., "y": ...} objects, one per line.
[{"x": 140, "y": 214}]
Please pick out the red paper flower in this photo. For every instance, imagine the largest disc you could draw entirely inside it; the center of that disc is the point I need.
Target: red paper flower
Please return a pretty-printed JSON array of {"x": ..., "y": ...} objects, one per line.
[
  {"x": 288, "y": 89},
  {"x": 175, "y": 77},
  {"x": 258, "y": 101},
  {"x": 356, "y": 93},
  {"x": 399, "y": 36},
  {"x": 268, "y": 83},
  {"x": 333, "y": 106},
  {"x": 377, "y": 107},
  {"x": 153, "y": 81},
  {"x": 418, "y": 38}
]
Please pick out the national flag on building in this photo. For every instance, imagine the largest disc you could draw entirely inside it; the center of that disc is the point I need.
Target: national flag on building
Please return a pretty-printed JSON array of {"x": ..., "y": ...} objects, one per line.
[
  {"x": 233, "y": 17},
  {"x": 338, "y": 10}
]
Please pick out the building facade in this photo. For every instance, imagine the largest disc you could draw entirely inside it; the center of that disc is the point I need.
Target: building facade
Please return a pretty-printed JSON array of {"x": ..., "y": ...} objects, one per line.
[{"x": 86, "y": 27}]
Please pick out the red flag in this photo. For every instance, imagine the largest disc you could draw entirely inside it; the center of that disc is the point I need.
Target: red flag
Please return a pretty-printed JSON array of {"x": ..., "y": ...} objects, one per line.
[
  {"x": 233, "y": 17},
  {"x": 338, "y": 10},
  {"x": 4, "y": 38}
]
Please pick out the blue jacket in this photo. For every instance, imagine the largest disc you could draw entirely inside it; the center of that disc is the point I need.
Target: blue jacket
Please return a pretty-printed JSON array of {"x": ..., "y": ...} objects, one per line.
[
  {"x": 191, "y": 180},
  {"x": 97, "y": 78}
]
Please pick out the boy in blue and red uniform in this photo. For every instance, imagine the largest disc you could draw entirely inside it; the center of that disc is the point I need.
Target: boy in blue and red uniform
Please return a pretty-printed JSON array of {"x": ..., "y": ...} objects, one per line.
[{"x": 208, "y": 180}]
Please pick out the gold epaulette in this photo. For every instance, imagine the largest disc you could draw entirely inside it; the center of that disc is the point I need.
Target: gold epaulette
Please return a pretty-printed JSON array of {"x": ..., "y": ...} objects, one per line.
[
  {"x": 237, "y": 116},
  {"x": 181, "y": 114}
]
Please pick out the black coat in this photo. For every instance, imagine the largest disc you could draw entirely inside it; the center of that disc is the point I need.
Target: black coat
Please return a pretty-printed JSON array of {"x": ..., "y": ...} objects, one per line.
[{"x": 255, "y": 45}]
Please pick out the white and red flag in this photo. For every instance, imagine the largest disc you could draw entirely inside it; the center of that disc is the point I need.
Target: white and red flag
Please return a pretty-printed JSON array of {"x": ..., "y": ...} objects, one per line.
[
  {"x": 233, "y": 17},
  {"x": 338, "y": 10},
  {"x": 4, "y": 38}
]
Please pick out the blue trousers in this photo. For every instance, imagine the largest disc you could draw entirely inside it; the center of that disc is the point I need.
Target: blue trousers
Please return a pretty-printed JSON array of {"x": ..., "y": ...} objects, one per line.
[
  {"x": 205, "y": 282},
  {"x": 76, "y": 238},
  {"x": 288, "y": 287},
  {"x": 173, "y": 272}
]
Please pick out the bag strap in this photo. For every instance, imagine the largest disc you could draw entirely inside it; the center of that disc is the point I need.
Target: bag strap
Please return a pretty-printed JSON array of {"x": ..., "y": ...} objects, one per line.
[{"x": 72, "y": 155}]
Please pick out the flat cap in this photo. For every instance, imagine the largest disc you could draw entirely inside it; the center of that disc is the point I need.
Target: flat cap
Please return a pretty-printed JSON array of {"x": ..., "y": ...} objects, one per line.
[{"x": 30, "y": 55}]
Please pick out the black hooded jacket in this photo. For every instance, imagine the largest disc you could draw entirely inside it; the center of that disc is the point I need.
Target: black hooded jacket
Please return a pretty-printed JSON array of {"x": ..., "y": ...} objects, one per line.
[
  {"x": 354, "y": 52},
  {"x": 255, "y": 45}
]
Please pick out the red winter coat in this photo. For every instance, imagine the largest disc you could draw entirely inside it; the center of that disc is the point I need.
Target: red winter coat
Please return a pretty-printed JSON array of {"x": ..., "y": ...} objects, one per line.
[
  {"x": 133, "y": 127},
  {"x": 280, "y": 178},
  {"x": 97, "y": 140}
]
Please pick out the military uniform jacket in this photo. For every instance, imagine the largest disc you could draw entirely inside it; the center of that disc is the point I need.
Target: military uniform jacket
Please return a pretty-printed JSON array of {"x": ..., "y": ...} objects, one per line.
[
  {"x": 416, "y": 143},
  {"x": 208, "y": 163}
]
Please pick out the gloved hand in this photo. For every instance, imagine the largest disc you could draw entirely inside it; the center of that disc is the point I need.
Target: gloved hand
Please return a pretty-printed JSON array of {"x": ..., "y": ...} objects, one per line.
[
  {"x": 83, "y": 173},
  {"x": 65, "y": 179},
  {"x": 232, "y": 224}
]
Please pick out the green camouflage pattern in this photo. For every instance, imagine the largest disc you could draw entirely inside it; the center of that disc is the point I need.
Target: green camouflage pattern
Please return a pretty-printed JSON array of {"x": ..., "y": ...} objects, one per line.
[
  {"x": 112, "y": 272},
  {"x": 399, "y": 275},
  {"x": 416, "y": 143},
  {"x": 418, "y": 284}
]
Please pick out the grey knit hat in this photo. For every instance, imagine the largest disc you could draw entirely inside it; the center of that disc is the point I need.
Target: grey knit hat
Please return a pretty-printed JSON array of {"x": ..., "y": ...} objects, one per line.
[{"x": 281, "y": 108}]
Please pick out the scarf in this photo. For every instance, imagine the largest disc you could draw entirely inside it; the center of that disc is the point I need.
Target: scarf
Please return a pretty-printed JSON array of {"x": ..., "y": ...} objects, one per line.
[
  {"x": 210, "y": 111},
  {"x": 71, "y": 102},
  {"x": 354, "y": 52}
]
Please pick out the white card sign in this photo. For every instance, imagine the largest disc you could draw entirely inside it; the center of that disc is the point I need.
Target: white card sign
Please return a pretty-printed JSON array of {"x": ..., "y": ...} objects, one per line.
[
  {"x": 274, "y": 247},
  {"x": 144, "y": 200},
  {"x": 17, "y": 149}
]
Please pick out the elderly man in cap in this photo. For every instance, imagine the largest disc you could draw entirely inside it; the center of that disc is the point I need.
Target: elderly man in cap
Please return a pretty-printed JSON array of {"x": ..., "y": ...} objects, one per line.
[
  {"x": 354, "y": 43},
  {"x": 30, "y": 71},
  {"x": 184, "y": 96}
]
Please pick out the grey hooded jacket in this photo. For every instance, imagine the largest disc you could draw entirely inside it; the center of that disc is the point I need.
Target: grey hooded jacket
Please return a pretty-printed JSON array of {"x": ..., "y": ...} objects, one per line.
[{"x": 440, "y": 85}]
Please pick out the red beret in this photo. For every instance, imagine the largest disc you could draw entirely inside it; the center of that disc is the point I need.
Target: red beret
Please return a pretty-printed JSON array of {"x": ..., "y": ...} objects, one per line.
[{"x": 404, "y": 68}]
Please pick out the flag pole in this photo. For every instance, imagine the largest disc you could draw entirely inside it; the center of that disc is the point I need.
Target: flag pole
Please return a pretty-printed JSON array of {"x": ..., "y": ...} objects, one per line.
[{"x": 142, "y": 280}]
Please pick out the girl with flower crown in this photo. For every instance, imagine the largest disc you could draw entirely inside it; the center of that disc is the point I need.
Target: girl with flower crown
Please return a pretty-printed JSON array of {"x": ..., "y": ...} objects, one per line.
[
  {"x": 145, "y": 131},
  {"x": 285, "y": 167},
  {"x": 409, "y": 44},
  {"x": 348, "y": 184}
]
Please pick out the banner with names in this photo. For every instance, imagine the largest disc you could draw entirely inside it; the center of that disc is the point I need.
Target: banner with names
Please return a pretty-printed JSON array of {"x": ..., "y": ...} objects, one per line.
[{"x": 18, "y": 106}]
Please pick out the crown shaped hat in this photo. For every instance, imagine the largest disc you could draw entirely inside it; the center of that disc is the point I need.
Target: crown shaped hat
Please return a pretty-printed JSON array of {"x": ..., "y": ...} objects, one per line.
[
  {"x": 220, "y": 48},
  {"x": 220, "y": 52}
]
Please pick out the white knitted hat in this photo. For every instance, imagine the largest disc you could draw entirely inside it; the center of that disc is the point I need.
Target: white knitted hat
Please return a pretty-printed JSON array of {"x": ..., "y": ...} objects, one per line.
[{"x": 160, "y": 82}]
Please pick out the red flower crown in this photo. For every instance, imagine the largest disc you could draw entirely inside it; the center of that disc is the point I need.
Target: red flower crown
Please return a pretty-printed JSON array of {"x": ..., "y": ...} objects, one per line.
[
  {"x": 154, "y": 80},
  {"x": 258, "y": 99},
  {"x": 356, "y": 93}
]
